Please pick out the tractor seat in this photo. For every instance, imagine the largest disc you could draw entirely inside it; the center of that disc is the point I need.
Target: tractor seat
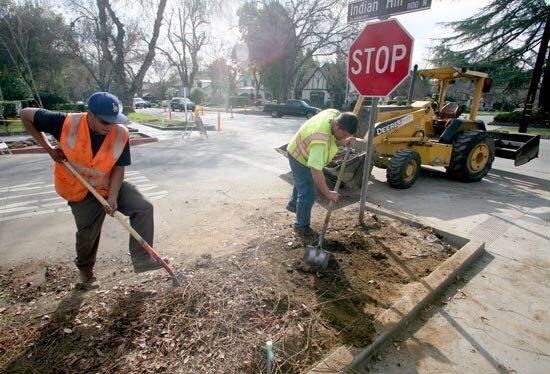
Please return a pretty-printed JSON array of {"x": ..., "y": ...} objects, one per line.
[
  {"x": 449, "y": 111},
  {"x": 439, "y": 126}
]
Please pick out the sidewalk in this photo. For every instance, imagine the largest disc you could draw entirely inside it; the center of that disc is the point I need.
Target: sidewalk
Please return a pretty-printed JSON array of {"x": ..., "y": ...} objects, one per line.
[{"x": 497, "y": 319}]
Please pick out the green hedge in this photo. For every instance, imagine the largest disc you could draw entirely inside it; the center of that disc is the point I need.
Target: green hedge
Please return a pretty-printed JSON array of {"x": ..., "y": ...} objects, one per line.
[
  {"x": 508, "y": 117},
  {"x": 197, "y": 95},
  {"x": 238, "y": 101},
  {"x": 216, "y": 99},
  {"x": 72, "y": 108},
  {"x": 10, "y": 109}
]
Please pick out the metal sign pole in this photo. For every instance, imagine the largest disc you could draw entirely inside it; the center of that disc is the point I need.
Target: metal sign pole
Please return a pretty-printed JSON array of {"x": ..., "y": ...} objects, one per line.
[{"x": 368, "y": 157}]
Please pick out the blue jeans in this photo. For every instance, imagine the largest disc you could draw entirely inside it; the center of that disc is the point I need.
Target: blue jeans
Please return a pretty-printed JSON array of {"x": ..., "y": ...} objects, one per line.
[{"x": 303, "y": 193}]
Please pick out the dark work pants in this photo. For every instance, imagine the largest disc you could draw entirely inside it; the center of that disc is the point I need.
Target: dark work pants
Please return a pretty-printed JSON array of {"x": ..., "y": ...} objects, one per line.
[
  {"x": 303, "y": 193},
  {"x": 89, "y": 217}
]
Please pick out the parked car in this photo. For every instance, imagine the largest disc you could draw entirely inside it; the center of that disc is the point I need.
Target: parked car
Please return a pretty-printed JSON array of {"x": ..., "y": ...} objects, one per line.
[
  {"x": 262, "y": 102},
  {"x": 291, "y": 108},
  {"x": 181, "y": 103},
  {"x": 140, "y": 103}
]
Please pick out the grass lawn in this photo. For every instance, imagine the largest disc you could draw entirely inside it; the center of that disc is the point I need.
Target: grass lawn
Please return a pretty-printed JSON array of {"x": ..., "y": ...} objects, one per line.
[
  {"x": 530, "y": 130},
  {"x": 155, "y": 120},
  {"x": 10, "y": 127}
]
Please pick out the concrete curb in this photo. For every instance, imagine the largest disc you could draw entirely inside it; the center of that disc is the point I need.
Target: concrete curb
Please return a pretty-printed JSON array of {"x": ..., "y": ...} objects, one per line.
[
  {"x": 143, "y": 140},
  {"x": 418, "y": 296}
]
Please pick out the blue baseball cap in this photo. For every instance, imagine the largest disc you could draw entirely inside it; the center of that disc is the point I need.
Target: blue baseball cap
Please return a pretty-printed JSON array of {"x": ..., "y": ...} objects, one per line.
[{"x": 107, "y": 107}]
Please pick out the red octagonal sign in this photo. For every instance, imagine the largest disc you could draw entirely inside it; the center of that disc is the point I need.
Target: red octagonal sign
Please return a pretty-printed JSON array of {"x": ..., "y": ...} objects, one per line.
[{"x": 380, "y": 58}]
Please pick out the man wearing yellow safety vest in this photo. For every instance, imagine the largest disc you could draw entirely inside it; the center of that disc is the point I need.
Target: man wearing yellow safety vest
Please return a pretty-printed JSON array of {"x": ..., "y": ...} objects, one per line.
[
  {"x": 310, "y": 150},
  {"x": 97, "y": 146}
]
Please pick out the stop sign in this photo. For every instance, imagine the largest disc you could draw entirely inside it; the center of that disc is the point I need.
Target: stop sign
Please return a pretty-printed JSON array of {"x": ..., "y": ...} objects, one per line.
[{"x": 379, "y": 58}]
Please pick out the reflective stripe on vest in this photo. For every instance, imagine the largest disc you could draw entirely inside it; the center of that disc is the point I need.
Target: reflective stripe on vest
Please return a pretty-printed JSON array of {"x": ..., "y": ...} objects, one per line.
[
  {"x": 93, "y": 176},
  {"x": 119, "y": 147},
  {"x": 301, "y": 145},
  {"x": 71, "y": 137}
]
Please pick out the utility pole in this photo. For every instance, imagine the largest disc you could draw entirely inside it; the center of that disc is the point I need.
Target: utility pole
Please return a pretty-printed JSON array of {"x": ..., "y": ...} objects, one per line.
[{"x": 535, "y": 79}]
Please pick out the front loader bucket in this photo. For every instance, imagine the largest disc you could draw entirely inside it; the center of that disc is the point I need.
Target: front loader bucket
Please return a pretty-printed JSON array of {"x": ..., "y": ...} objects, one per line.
[
  {"x": 354, "y": 165},
  {"x": 521, "y": 148},
  {"x": 282, "y": 150}
]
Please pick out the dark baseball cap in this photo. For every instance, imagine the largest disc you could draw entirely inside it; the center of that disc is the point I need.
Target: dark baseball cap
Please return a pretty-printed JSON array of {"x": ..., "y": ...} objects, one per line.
[{"x": 107, "y": 107}]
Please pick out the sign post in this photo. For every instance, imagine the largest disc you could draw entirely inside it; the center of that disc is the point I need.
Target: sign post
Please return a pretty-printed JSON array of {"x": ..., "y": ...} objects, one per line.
[
  {"x": 368, "y": 158},
  {"x": 379, "y": 60}
]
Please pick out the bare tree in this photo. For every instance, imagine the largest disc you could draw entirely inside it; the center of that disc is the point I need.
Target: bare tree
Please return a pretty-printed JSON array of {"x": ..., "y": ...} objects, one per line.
[
  {"x": 113, "y": 36},
  {"x": 83, "y": 45},
  {"x": 116, "y": 50},
  {"x": 163, "y": 75},
  {"x": 187, "y": 34},
  {"x": 285, "y": 35}
]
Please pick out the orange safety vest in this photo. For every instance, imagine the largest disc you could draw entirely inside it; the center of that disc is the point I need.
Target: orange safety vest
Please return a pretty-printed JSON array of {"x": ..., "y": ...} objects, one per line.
[{"x": 76, "y": 144}]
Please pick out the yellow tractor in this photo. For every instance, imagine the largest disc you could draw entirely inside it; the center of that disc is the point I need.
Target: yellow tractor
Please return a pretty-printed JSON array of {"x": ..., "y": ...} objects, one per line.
[{"x": 407, "y": 137}]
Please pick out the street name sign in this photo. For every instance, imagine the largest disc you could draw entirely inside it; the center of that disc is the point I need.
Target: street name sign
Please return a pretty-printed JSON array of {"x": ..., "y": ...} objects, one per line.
[
  {"x": 379, "y": 59},
  {"x": 368, "y": 9}
]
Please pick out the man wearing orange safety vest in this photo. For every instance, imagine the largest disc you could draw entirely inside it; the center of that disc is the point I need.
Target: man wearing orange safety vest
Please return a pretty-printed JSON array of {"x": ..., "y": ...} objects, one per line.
[
  {"x": 310, "y": 150},
  {"x": 96, "y": 144}
]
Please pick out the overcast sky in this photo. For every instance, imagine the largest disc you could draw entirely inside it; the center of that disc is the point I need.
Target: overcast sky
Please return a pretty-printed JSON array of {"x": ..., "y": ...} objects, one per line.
[{"x": 422, "y": 25}]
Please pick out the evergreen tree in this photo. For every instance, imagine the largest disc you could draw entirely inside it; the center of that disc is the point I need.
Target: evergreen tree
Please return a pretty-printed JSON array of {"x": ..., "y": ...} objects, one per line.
[{"x": 503, "y": 39}]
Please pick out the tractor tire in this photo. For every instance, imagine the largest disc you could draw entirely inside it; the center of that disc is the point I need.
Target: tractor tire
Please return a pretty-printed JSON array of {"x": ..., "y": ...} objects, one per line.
[
  {"x": 403, "y": 169},
  {"x": 472, "y": 157},
  {"x": 275, "y": 114}
]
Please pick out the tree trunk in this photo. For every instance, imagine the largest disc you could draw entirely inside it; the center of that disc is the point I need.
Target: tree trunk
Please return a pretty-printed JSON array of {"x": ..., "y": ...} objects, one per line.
[
  {"x": 544, "y": 94},
  {"x": 535, "y": 78}
]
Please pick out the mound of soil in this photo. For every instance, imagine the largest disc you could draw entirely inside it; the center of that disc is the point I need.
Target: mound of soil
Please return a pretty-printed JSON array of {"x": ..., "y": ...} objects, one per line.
[{"x": 220, "y": 320}]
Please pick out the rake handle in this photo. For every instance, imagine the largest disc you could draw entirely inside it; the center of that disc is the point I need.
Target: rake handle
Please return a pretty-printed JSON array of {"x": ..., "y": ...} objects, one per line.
[
  {"x": 331, "y": 204},
  {"x": 120, "y": 218}
]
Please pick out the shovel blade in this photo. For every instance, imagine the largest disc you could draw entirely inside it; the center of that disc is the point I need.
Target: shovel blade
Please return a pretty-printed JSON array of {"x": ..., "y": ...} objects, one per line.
[
  {"x": 309, "y": 254},
  {"x": 322, "y": 258},
  {"x": 316, "y": 257}
]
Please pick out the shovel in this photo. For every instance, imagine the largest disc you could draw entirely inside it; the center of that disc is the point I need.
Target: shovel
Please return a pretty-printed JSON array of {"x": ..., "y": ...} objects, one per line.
[
  {"x": 176, "y": 279},
  {"x": 316, "y": 256}
]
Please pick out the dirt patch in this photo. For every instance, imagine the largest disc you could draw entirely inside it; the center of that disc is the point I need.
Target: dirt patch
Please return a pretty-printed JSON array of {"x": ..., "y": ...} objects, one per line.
[{"x": 220, "y": 320}]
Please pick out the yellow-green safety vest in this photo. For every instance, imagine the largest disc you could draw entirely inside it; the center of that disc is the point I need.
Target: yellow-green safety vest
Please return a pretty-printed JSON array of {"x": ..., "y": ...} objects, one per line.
[{"x": 315, "y": 130}]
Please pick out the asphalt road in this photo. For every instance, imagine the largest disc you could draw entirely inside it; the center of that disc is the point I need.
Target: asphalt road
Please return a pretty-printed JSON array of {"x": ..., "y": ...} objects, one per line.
[{"x": 201, "y": 188}]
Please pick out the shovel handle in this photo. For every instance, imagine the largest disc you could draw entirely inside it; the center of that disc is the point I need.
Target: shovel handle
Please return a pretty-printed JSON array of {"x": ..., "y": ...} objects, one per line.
[
  {"x": 120, "y": 218},
  {"x": 336, "y": 189}
]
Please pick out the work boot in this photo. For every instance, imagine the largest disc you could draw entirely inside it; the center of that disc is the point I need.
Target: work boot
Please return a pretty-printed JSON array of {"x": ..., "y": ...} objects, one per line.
[
  {"x": 291, "y": 208},
  {"x": 87, "y": 280},
  {"x": 148, "y": 264},
  {"x": 305, "y": 232}
]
